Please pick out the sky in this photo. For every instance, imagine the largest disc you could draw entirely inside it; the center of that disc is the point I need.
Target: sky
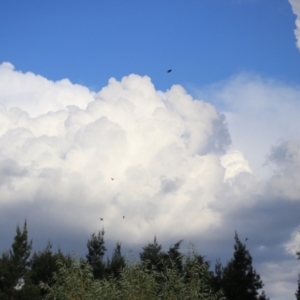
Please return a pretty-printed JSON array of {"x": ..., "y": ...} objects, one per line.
[{"x": 196, "y": 154}]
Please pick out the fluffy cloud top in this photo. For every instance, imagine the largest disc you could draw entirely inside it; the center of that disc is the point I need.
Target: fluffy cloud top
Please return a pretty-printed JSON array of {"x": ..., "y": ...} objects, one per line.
[
  {"x": 38, "y": 95},
  {"x": 296, "y": 9},
  {"x": 162, "y": 149}
]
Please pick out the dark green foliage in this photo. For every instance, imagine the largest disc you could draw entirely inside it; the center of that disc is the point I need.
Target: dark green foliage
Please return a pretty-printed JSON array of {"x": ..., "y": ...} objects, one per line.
[
  {"x": 116, "y": 263},
  {"x": 218, "y": 275},
  {"x": 175, "y": 256},
  {"x": 152, "y": 255},
  {"x": 238, "y": 279},
  {"x": 76, "y": 281},
  {"x": 72, "y": 281},
  {"x": 43, "y": 265},
  {"x": 95, "y": 256},
  {"x": 20, "y": 251},
  {"x": 14, "y": 266}
]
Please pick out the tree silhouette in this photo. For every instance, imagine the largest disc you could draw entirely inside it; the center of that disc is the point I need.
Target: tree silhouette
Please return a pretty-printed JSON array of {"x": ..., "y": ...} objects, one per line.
[
  {"x": 96, "y": 251},
  {"x": 152, "y": 255},
  {"x": 175, "y": 256},
  {"x": 117, "y": 262},
  {"x": 238, "y": 279},
  {"x": 14, "y": 267},
  {"x": 44, "y": 265},
  {"x": 297, "y": 294}
]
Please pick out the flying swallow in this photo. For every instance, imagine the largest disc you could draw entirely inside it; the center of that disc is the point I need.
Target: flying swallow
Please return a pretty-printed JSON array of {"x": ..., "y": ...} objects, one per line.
[
  {"x": 101, "y": 219},
  {"x": 169, "y": 71}
]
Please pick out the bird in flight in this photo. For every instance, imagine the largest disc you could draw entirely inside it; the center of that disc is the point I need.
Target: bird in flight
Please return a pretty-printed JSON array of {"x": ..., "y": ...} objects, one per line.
[
  {"x": 123, "y": 217},
  {"x": 169, "y": 71},
  {"x": 246, "y": 239},
  {"x": 101, "y": 219},
  {"x": 112, "y": 179}
]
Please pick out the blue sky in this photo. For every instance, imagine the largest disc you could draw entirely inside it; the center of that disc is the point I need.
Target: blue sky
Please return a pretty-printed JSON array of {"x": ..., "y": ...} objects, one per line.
[
  {"x": 202, "y": 41},
  {"x": 210, "y": 148}
]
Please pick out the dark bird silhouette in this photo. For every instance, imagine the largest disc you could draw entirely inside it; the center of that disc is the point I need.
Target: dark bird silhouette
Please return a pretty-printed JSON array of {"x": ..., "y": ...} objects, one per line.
[
  {"x": 123, "y": 217},
  {"x": 246, "y": 239},
  {"x": 169, "y": 71},
  {"x": 112, "y": 179},
  {"x": 101, "y": 219}
]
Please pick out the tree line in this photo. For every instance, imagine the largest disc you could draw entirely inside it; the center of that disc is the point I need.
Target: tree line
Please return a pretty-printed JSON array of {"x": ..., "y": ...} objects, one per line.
[{"x": 157, "y": 274}]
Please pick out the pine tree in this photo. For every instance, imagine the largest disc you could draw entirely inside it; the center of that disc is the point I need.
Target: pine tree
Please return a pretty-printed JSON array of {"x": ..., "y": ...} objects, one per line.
[
  {"x": 298, "y": 289},
  {"x": 217, "y": 276},
  {"x": 175, "y": 256},
  {"x": 117, "y": 262},
  {"x": 14, "y": 268},
  {"x": 96, "y": 251},
  {"x": 239, "y": 279},
  {"x": 44, "y": 265},
  {"x": 152, "y": 255}
]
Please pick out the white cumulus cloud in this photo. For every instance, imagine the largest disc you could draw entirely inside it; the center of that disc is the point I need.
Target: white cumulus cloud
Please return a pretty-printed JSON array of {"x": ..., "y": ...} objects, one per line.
[
  {"x": 38, "y": 95},
  {"x": 296, "y": 10},
  {"x": 162, "y": 150}
]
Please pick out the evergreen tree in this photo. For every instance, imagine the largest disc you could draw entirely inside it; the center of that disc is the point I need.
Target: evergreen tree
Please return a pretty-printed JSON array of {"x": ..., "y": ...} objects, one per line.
[
  {"x": 189, "y": 267},
  {"x": 96, "y": 251},
  {"x": 298, "y": 289},
  {"x": 43, "y": 265},
  {"x": 117, "y": 262},
  {"x": 217, "y": 276},
  {"x": 152, "y": 255},
  {"x": 175, "y": 256},
  {"x": 14, "y": 268},
  {"x": 239, "y": 280}
]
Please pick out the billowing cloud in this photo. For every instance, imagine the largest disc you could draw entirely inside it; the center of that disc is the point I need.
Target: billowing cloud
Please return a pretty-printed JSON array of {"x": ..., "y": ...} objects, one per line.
[
  {"x": 296, "y": 10},
  {"x": 259, "y": 111},
  {"x": 165, "y": 160},
  {"x": 162, "y": 150},
  {"x": 38, "y": 95}
]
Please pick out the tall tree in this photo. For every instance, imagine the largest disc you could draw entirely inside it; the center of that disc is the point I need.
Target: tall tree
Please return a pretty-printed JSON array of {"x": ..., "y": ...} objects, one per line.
[
  {"x": 217, "y": 276},
  {"x": 152, "y": 255},
  {"x": 14, "y": 267},
  {"x": 116, "y": 263},
  {"x": 298, "y": 289},
  {"x": 44, "y": 265},
  {"x": 175, "y": 256},
  {"x": 96, "y": 251},
  {"x": 239, "y": 279}
]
